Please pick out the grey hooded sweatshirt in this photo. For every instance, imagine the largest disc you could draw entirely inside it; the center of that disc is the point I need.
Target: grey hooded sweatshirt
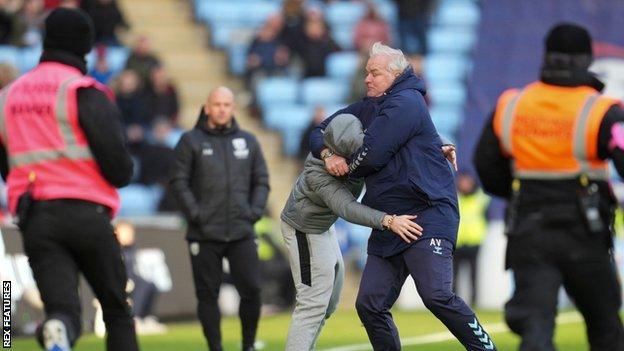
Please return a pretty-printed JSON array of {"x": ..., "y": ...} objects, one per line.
[{"x": 318, "y": 198}]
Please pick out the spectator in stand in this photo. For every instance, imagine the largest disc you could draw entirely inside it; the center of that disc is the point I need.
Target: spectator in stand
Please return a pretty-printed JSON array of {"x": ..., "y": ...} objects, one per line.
[
  {"x": 155, "y": 160},
  {"x": 6, "y": 22},
  {"x": 358, "y": 90},
  {"x": 161, "y": 97},
  {"x": 294, "y": 18},
  {"x": 315, "y": 47},
  {"x": 12, "y": 24},
  {"x": 130, "y": 98},
  {"x": 142, "y": 59},
  {"x": 29, "y": 23},
  {"x": 370, "y": 29},
  {"x": 101, "y": 72},
  {"x": 164, "y": 133},
  {"x": 414, "y": 18},
  {"x": 304, "y": 147},
  {"x": 72, "y": 4},
  {"x": 107, "y": 19},
  {"x": 267, "y": 55},
  {"x": 8, "y": 73}
]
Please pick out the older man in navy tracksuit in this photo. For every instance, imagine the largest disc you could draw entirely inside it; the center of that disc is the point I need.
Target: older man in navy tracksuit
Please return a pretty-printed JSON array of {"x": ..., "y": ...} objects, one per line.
[{"x": 405, "y": 172}]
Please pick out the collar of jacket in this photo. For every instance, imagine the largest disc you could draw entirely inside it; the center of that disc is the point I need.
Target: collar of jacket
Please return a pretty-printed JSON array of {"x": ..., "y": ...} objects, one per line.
[
  {"x": 202, "y": 124},
  {"x": 407, "y": 80},
  {"x": 65, "y": 58},
  {"x": 570, "y": 78}
]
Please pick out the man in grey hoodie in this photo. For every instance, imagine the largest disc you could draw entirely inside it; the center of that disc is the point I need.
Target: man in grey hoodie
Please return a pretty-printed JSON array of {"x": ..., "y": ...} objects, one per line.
[{"x": 315, "y": 203}]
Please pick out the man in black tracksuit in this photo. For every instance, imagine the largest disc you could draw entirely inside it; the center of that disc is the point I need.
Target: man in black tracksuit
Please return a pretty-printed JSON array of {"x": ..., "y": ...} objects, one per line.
[
  {"x": 221, "y": 181},
  {"x": 551, "y": 242}
]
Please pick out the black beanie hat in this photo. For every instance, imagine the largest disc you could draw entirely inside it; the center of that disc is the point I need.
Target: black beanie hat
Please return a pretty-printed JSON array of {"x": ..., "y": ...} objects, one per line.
[
  {"x": 569, "y": 38},
  {"x": 69, "y": 30}
]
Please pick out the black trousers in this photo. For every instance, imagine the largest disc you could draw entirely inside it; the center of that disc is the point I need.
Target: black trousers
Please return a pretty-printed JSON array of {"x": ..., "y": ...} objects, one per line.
[
  {"x": 65, "y": 237},
  {"x": 207, "y": 262},
  {"x": 467, "y": 255},
  {"x": 545, "y": 257}
]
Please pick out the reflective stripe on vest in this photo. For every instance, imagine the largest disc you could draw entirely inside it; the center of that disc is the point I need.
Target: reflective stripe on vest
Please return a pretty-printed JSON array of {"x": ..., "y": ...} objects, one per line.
[
  {"x": 579, "y": 144},
  {"x": 71, "y": 150}
]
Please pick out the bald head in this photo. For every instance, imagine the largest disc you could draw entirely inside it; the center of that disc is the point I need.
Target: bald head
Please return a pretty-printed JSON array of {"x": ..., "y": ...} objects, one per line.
[{"x": 220, "y": 107}]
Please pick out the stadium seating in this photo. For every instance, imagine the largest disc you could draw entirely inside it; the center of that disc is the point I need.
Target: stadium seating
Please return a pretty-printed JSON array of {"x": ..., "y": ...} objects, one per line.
[
  {"x": 342, "y": 65},
  {"x": 277, "y": 90},
  {"x": 450, "y": 40},
  {"x": 322, "y": 91}
]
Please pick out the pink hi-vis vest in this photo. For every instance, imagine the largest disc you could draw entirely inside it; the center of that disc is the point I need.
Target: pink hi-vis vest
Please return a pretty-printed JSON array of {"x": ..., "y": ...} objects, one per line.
[{"x": 40, "y": 130}]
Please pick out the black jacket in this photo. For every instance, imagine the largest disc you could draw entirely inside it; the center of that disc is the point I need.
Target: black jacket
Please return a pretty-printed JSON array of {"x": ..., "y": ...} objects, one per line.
[
  {"x": 495, "y": 170},
  {"x": 99, "y": 118},
  {"x": 221, "y": 181}
]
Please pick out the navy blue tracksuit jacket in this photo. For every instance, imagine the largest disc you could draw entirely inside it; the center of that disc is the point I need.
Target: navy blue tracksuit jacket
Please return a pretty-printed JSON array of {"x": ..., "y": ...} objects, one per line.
[{"x": 401, "y": 160}]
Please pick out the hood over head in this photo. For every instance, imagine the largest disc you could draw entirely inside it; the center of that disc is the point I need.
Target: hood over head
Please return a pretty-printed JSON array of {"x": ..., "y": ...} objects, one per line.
[{"x": 344, "y": 135}]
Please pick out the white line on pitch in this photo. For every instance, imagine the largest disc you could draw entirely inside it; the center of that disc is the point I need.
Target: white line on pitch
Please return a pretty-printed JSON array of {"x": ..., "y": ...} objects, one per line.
[{"x": 494, "y": 328}]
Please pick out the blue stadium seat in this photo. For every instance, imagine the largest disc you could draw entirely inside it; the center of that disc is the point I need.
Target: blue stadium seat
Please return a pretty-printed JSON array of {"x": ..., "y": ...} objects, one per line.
[
  {"x": 447, "y": 94},
  {"x": 342, "y": 65},
  {"x": 237, "y": 58},
  {"x": 222, "y": 11},
  {"x": 116, "y": 57},
  {"x": 91, "y": 58},
  {"x": 291, "y": 138},
  {"x": 388, "y": 10},
  {"x": 340, "y": 13},
  {"x": 277, "y": 90},
  {"x": 343, "y": 36},
  {"x": 9, "y": 54},
  {"x": 445, "y": 67},
  {"x": 450, "y": 40},
  {"x": 29, "y": 58},
  {"x": 464, "y": 13},
  {"x": 323, "y": 91},
  {"x": 276, "y": 116},
  {"x": 291, "y": 122},
  {"x": 139, "y": 200},
  {"x": 235, "y": 13},
  {"x": 446, "y": 118}
]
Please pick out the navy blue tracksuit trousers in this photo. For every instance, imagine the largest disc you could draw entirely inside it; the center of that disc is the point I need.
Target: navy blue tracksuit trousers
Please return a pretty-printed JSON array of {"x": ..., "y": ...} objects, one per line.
[{"x": 430, "y": 263}]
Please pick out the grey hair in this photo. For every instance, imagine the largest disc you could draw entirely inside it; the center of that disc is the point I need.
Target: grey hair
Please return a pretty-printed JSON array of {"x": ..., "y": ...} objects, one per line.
[{"x": 398, "y": 62}]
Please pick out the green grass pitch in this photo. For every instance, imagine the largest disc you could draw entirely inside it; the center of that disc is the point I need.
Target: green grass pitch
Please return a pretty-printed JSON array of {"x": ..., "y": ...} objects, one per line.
[{"x": 344, "y": 328}]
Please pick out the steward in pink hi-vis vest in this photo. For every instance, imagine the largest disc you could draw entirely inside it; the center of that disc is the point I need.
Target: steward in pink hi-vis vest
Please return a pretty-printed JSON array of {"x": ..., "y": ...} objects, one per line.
[{"x": 44, "y": 141}]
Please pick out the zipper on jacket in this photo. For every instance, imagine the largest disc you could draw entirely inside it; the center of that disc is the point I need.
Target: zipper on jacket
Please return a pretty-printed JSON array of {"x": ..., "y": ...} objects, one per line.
[{"x": 228, "y": 191}]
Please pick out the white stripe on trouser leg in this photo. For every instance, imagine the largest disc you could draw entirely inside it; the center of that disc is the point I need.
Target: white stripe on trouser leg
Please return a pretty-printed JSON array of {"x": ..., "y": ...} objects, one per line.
[{"x": 316, "y": 302}]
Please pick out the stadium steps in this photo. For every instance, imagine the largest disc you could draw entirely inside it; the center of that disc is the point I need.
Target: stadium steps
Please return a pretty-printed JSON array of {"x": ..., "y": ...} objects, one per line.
[{"x": 196, "y": 68}]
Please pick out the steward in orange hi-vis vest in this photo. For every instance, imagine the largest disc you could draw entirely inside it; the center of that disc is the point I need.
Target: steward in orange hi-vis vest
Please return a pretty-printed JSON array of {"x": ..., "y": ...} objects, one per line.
[
  {"x": 547, "y": 150},
  {"x": 62, "y": 154},
  {"x": 551, "y": 132}
]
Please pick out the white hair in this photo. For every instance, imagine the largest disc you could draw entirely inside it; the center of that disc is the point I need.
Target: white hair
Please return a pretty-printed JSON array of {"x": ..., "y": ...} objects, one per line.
[{"x": 398, "y": 62}]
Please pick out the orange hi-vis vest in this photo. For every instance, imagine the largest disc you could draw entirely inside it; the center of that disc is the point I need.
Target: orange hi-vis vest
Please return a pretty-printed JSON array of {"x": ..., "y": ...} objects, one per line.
[
  {"x": 551, "y": 132},
  {"x": 40, "y": 130}
]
